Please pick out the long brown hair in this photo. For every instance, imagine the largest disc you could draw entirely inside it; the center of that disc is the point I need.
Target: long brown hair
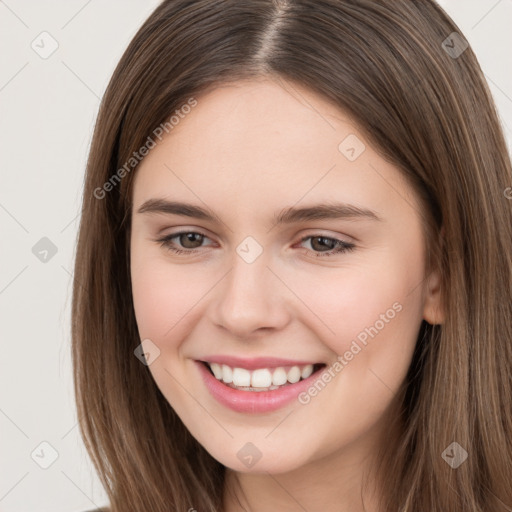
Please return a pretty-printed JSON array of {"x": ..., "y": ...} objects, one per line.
[{"x": 424, "y": 105}]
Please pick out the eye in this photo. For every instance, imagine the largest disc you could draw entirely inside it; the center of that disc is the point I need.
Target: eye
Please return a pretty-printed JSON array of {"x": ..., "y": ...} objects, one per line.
[
  {"x": 321, "y": 245},
  {"x": 185, "y": 238},
  {"x": 334, "y": 246}
]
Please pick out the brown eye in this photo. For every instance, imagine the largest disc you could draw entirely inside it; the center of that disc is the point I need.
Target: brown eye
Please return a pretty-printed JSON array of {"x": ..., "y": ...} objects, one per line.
[
  {"x": 322, "y": 243},
  {"x": 186, "y": 241},
  {"x": 190, "y": 240},
  {"x": 327, "y": 246}
]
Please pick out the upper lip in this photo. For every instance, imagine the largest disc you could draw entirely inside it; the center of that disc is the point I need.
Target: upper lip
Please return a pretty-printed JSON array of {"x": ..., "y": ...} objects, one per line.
[{"x": 256, "y": 362}]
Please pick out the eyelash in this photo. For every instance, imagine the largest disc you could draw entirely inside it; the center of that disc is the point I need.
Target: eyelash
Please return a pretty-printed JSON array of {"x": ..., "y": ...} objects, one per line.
[{"x": 342, "y": 246}]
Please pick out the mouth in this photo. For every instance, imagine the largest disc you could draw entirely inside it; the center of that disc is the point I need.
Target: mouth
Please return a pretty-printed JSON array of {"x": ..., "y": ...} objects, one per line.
[{"x": 261, "y": 379}]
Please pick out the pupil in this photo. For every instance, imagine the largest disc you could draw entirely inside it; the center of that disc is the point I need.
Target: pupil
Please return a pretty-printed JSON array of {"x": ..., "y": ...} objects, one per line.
[
  {"x": 325, "y": 241},
  {"x": 190, "y": 238}
]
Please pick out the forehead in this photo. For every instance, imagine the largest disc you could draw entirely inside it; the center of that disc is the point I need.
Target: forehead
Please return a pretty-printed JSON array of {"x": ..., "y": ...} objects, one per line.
[
  {"x": 252, "y": 143},
  {"x": 251, "y": 115}
]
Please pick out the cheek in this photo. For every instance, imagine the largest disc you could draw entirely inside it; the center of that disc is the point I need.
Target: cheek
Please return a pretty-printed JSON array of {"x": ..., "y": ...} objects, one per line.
[
  {"x": 375, "y": 316},
  {"x": 163, "y": 295},
  {"x": 379, "y": 299}
]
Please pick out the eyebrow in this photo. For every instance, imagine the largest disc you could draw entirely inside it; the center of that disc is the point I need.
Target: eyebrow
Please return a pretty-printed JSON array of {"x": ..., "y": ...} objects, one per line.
[{"x": 289, "y": 215}]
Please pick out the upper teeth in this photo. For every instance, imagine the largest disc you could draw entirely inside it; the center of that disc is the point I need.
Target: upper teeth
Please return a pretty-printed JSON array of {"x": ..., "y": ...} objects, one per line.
[{"x": 262, "y": 377}]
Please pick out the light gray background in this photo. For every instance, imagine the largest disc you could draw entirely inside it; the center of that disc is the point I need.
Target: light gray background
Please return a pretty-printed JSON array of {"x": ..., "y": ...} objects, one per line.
[{"x": 48, "y": 108}]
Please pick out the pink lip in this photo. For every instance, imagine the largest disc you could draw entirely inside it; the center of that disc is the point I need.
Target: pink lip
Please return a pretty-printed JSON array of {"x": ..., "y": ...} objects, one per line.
[
  {"x": 253, "y": 401},
  {"x": 256, "y": 362}
]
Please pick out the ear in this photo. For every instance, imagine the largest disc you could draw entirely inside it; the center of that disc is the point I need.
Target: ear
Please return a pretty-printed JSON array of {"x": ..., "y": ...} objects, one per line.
[{"x": 433, "y": 310}]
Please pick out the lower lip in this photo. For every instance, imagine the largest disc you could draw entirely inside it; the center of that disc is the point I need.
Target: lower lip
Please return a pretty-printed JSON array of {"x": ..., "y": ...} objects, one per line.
[{"x": 254, "y": 401}]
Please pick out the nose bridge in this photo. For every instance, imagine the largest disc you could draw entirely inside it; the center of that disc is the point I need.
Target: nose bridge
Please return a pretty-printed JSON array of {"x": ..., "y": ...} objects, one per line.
[{"x": 249, "y": 298}]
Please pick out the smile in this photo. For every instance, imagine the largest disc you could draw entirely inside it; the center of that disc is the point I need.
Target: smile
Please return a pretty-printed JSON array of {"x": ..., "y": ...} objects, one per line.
[
  {"x": 261, "y": 379},
  {"x": 260, "y": 389}
]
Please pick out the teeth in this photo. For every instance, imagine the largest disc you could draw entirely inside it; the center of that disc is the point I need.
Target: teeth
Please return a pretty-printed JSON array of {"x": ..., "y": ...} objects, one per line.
[
  {"x": 241, "y": 377},
  {"x": 262, "y": 378},
  {"x": 294, "y": 374},
  {"x": 217, "y": 370},
  {"x": 279, "y": 377},
  {"x": 227, "y": 374},
  {"x": 307, "y": 371}
]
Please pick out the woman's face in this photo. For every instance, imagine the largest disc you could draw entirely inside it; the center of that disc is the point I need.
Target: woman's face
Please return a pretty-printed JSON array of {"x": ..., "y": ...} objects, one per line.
[{"x": 285, "y": 180}]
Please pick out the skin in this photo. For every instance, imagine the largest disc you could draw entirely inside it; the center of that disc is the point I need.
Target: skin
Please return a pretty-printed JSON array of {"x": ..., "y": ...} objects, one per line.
[{"x": 246, "y": 151}]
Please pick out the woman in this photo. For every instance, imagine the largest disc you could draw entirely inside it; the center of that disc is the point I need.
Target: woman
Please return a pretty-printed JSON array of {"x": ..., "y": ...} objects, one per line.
[{"x": 339, "y": 337}]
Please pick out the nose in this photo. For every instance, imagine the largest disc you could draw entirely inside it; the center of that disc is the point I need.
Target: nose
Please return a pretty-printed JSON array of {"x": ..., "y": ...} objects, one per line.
[{"x": 251, "y": 299}]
